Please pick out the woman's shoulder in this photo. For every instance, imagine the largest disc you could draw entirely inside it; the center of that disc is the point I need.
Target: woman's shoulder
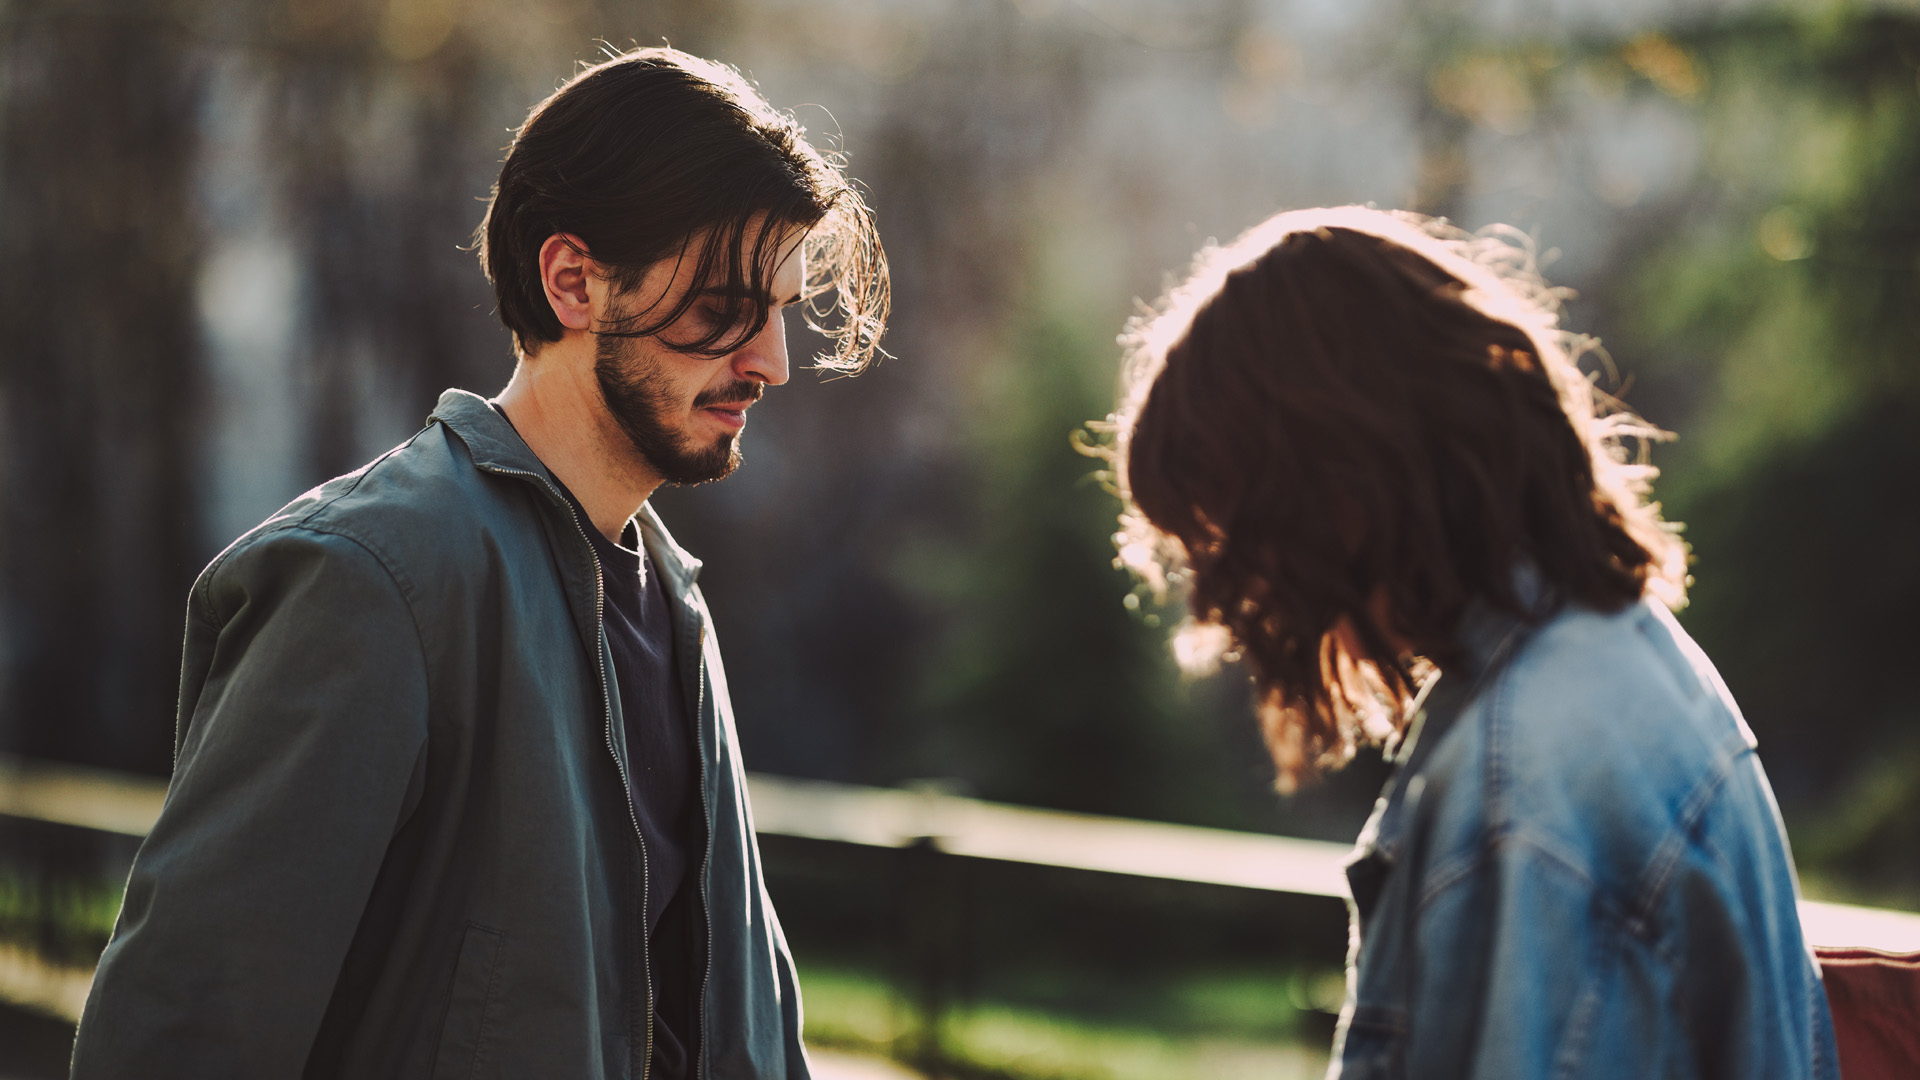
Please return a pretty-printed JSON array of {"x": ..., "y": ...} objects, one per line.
[
  {"x": 1591, "y": 688},
  {"x": 1600, "y": 737}
]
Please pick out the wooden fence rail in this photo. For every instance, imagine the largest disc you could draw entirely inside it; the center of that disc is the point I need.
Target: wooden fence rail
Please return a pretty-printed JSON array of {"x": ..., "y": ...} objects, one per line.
[{"x": 874, "y": 817}]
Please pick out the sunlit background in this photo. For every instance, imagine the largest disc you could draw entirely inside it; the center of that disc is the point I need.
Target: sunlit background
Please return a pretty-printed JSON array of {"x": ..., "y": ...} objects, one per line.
[{"x": 234, "y": 265}]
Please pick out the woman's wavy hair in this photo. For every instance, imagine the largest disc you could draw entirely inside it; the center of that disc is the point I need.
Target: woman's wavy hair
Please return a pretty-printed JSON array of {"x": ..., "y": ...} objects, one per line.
[{"x": 1342, "y": 430}]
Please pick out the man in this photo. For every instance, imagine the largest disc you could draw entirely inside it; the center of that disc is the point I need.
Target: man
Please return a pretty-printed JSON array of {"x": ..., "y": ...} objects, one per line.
[
  {"x": 457, "y": 790},
  {"x": 1363, "y": 442}
]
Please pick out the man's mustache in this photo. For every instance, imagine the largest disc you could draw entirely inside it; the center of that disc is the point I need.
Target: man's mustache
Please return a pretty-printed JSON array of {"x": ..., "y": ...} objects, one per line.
[{"x": 740, "y": 391}]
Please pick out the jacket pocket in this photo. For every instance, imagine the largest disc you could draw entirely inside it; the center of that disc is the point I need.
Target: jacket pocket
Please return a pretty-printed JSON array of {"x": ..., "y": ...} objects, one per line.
[{"x": 466, "y": 1036}]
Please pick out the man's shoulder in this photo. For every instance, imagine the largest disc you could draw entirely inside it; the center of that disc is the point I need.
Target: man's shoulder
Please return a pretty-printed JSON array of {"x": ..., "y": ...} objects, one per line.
[{"x": 420, "y": 509}]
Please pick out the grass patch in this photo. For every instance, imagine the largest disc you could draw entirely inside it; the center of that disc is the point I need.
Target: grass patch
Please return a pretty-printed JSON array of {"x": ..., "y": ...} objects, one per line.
[
  {"x": 1216, "y": 1026},
  {"x": 67, "y": 921}
]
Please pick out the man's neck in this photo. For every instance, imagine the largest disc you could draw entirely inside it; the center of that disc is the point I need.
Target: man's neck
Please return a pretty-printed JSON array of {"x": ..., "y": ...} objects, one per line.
[{"x": 555, "y": 403}]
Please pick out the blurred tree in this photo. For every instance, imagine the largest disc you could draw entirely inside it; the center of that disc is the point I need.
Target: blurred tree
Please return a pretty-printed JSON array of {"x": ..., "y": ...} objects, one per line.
[
  {"x": 354, "y": 138},
  {"x": 1044, "y": 688},
  {"x": 99, "y": 384}
]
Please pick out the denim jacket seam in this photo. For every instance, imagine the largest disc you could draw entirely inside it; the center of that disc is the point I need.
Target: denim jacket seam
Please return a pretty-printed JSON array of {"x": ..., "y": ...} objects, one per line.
[
  {"x": 1452, "y": 872},
  {"x": 1499, "y": 813},
  {"x": 1660, "y": 870},
  {"x": 1389, "y": 822},
  {"x": 1498, "y": 717},
  {"x": 1612, "y": 932},
  {"x": 1817, "y": 1009},
  {"x": 1577, "y": 1038},
  {"x": 1463, "y": 867},
  {"x": 1388, "y": 1018}
]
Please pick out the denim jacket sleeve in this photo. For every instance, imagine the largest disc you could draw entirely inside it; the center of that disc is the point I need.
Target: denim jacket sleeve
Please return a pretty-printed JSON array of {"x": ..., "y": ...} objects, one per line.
[{"x": 302, "y": 726}]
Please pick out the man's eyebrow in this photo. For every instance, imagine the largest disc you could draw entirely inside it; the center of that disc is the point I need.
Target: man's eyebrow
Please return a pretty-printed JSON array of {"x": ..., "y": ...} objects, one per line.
[{"x": 729, "y": 292}]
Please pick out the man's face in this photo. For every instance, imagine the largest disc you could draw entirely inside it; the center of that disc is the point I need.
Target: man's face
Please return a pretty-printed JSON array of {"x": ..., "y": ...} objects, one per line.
[{"x": 684, "y": 412}]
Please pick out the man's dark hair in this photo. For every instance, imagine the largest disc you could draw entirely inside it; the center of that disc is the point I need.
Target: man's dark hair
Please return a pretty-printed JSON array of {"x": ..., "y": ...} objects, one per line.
[
  {"x": 657, "y": 154},
  {"x": 1348, "y": 427}
]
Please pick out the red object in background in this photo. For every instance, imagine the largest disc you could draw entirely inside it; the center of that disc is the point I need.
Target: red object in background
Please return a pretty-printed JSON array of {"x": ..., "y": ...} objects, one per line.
[{"x": 1875, "y": 997}]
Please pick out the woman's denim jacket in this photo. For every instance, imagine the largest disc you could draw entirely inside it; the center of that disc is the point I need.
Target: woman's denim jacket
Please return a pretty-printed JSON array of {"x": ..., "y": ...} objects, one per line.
[{"x": 1578, "y": 870}]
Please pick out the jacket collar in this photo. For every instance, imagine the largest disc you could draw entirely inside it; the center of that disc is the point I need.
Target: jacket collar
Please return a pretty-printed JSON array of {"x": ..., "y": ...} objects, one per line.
[
  {"x": 1488, "y": 640},
  {"x": 497, "y": 447},
  {"x": 679, "y": 565},
  {"x": 1486, "y": 633}
]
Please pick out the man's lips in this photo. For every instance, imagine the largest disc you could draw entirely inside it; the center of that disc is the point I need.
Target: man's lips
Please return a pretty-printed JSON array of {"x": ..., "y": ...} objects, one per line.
[
  {"x": 731, "y": 413},
  {"x": 728, "y": 404}
]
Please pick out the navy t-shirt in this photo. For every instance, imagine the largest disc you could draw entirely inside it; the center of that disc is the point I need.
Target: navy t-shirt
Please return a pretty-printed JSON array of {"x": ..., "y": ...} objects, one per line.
[
  {"x": 665, "y": 772},
  {"x": 663, "y": 764}
]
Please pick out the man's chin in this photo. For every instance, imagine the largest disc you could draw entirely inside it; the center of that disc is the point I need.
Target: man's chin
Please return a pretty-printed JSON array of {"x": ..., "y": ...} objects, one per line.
[{"x": 717, "y": 462}]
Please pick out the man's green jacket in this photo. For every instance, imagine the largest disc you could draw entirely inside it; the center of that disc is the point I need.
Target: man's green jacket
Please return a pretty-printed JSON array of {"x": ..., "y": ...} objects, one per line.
[{"x": 398, "y": 840}]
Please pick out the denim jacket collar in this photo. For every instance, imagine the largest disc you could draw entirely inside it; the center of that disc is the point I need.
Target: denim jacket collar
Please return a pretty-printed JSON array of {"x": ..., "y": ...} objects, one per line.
[{"x": 1488, "y": 638}]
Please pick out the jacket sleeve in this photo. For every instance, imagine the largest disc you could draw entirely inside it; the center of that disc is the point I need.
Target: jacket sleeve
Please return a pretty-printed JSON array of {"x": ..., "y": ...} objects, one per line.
[{"x": 303, "y": 720}]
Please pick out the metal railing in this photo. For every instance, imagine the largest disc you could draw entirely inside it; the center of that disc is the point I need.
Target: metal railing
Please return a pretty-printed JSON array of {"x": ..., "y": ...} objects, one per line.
[{"x": 925, "y": 819}]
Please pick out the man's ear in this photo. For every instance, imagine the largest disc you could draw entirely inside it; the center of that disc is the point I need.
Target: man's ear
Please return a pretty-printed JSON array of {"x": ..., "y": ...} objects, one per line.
[{"x": 564, "y": 271}]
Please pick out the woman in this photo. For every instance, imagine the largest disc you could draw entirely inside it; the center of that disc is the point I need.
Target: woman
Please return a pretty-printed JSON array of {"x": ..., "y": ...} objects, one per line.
[{"x": 1361, "y": 445}]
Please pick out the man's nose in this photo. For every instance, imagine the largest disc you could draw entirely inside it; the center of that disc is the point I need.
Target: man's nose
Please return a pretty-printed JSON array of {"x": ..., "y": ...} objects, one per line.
[{"x": 764, "y": 359}]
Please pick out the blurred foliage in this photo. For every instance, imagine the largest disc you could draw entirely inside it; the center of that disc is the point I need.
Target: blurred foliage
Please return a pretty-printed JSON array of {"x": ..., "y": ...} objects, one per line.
[
  {"x": 69, "y": 921},
  {"x": 1041, "y": 687},
  {"x": 1047, "y": 683},
  {"x": 60, "y": 889},
  {"x": 1779, "y": 307},
  {"x": 1791, "y": 277},
  {"x": 1221, "y": 1027}
]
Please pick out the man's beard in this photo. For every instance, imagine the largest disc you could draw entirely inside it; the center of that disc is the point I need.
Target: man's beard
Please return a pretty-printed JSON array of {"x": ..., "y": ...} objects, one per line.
[{"x": 638, "y": 396}]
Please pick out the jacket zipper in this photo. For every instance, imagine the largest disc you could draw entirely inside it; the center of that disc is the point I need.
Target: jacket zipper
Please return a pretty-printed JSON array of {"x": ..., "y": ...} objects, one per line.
[
  {"x": 706, "y": 859},
  {"x": 626, "y": 781}
]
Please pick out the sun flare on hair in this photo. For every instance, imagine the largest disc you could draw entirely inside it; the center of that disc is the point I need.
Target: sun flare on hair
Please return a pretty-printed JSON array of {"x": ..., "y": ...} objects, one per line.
[{"x": 1323, "y": 406}]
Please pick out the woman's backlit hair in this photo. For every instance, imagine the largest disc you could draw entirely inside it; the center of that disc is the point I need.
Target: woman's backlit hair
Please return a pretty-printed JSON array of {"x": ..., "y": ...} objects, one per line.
[{"x": 1347, "y": 426}]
